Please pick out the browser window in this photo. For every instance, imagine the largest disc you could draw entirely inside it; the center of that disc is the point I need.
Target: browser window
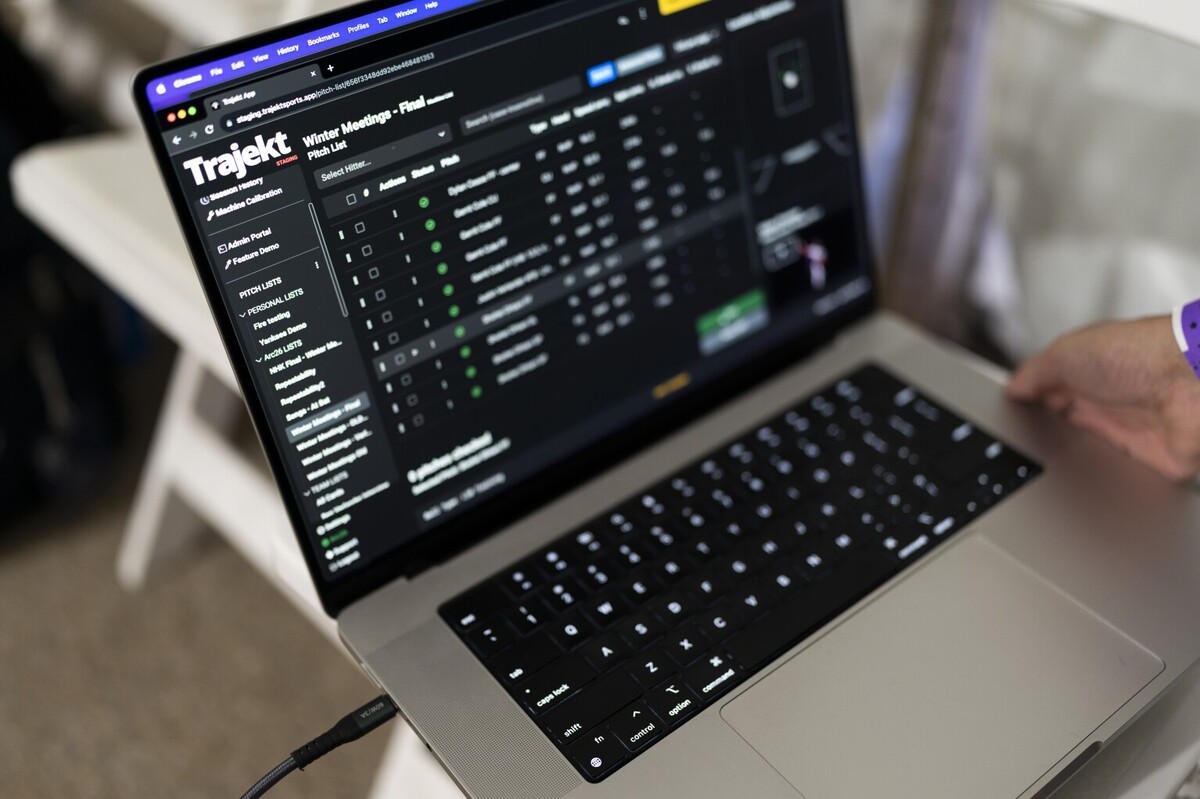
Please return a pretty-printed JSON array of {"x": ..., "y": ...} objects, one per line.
[{"x": 455, "y": 268}]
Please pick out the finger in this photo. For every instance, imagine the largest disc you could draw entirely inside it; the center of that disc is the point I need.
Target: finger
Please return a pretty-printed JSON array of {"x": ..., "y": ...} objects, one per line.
[
  {"x": 1059, "y": 400},
  {"x": 1035, "y": 380},
  {"x": 1140, "y": 441}
]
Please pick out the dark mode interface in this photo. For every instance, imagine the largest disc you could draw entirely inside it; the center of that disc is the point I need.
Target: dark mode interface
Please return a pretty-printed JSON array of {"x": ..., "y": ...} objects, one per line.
[{"x": 455, "y": 269}]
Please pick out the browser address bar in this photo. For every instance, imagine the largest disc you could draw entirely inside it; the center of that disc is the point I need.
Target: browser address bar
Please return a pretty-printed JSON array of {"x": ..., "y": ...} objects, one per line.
[{"x": 265, "y": 111}]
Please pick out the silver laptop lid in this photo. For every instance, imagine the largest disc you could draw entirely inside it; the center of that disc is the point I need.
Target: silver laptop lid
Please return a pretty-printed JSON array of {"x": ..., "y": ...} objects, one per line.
[{"x": 465, "y": 254}]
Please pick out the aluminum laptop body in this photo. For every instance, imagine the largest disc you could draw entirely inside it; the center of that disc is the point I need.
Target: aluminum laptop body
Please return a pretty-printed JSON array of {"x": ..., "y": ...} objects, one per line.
[{"x": 504, "y": 283}]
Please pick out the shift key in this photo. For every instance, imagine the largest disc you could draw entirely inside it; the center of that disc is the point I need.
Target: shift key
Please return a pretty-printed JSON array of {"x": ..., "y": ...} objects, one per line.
[
  {"x": 554, "y": 683},
  {"x": 594, "y": 704}
]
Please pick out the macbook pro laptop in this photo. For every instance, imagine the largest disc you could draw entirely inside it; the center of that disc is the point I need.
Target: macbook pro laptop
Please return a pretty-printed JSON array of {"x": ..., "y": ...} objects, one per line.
[{"x": 557, "y": 320}]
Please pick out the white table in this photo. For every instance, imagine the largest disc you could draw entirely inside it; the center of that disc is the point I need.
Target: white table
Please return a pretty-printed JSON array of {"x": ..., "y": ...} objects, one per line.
[{"x": 102, "y": 199}]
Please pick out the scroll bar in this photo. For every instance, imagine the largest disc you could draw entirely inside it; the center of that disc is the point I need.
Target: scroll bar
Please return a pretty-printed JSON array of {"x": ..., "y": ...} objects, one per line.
[{"x": 329, "y": 261}]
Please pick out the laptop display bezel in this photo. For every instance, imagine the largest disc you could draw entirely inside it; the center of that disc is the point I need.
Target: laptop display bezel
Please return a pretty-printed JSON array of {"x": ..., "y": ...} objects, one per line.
[{"x": 488, "y": 518}]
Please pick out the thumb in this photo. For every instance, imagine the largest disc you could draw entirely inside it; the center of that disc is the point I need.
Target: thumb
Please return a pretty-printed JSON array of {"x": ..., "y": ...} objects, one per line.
[{"x": 1034, "y": 380}]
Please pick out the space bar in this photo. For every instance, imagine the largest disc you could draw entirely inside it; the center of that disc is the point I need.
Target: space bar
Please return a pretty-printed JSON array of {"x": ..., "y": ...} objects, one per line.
[{"x": 802, "y": 614}]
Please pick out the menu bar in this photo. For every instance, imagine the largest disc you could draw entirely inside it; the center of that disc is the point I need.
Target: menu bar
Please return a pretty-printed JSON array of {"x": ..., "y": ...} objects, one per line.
[{"x": 181, "y": 86}]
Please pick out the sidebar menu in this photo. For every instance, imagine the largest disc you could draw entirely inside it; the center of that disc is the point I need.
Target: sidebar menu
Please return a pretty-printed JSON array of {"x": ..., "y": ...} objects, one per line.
[{"x": 273, "y": 266}]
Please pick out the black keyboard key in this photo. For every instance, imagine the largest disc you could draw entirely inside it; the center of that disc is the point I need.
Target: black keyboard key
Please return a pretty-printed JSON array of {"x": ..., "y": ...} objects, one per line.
[
  {"x": 468, "y": 610},
  {"x": 712, "y": 675},
  {"x": 673, "y": 702},
  {"x": 554, "y": 561},
  {"x": 806, "y": 610},
  {"x": 563, "y": 593},
  {"x": 581, "y": 713},
  {"x": 722, "y": 500},
  {"x": 652, "y": 667},
  {"x": 720, "y": 623},
  {"x": 631, "y": 555},
  {"x": 705, "y": 588},
  {"x": 752, "y": 600},
  {"x": 815, "y": 561},
  {"x": 703, "y": 550},
  {"x": 660, "y": 539},
  {"x": 774, "y": 585},
  {"x": 640, "y": 589},
  {"x": 772, "y": 547},
  {"x": 674, "y": 607},
  {"x": 529, "y": 615},
  {"x": 598, "y": 754},
  {"x": 492, "y": 637},
  {"x": 604, "y": 610},
  {"x": 571, "y": 631},
  {"x": 670, "y": 569},
  {"x": 752, "y": 485},
  {"x": 639, "y": 629},
  {"x": 553, "y": 684},
  {"x": 520, "y": 581},
  {"x": 599, "y": 575},
  {"x": 636, "y": 727},
  {"x": 964, "y": 454},
  {"x": 588, "y": 543},
  {"x": 518, "y": 662},
  {"x": 735, "y": 567},
  {"x": 907, "y": 546},
  {"x": 685, "y": 646},
  {"x": 620, "y": 523},
  {"x": 605, "y": 651}
]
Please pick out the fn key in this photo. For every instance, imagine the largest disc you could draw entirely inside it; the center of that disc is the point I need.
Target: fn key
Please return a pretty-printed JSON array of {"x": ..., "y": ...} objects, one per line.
[{"x": 598, "y": 753}]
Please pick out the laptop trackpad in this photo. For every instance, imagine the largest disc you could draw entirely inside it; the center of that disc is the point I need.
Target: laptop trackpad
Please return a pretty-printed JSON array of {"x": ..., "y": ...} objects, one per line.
[{"x": 972, "y": 680}]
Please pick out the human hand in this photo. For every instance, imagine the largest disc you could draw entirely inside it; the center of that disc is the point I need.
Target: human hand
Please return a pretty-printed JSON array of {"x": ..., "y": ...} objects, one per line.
[{"x": 1126, "y": 382}]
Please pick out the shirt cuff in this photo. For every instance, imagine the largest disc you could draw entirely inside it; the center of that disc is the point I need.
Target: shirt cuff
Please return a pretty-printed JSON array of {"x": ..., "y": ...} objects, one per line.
[{"x": 1177, "y": 326}]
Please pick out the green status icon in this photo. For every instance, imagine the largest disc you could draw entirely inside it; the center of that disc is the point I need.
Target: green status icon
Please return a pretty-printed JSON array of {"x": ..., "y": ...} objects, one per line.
[
  {"x": 436, "y": 247},
  {"x": 460, "y": 332},
  {"x": 476, "y": 392},
  {"x": 443, "y": 269},
  {"x": 430, "y": 225},
  {"x": 423, "y": 202},
  {"x": 325, "y": 543},
  {"x": 472, "y": 373},
  {"x": 465, "y": 352},
  {"x": 455, "y": 311},
  {"x": 448, "y": 290}
]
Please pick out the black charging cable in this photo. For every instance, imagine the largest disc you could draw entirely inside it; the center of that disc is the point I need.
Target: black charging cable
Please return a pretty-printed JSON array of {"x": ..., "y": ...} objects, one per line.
[{"x": 368, "y": 718}]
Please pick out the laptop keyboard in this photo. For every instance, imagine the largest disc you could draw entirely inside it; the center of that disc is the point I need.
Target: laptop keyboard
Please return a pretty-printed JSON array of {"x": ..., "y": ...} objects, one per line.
[{"x": 617, "y": 633}]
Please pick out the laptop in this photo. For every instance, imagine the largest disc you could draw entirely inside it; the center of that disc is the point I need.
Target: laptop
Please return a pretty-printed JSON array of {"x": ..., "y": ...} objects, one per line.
[{"x": 558, "y": 323}]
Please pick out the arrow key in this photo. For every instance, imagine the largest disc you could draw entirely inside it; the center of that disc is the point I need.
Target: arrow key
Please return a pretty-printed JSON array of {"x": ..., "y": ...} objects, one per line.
[{"x": 636, "y": 727}]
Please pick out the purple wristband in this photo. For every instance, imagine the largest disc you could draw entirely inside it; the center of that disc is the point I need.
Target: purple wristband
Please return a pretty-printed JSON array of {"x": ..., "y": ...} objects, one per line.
[{"x": 1189, "y": 323}]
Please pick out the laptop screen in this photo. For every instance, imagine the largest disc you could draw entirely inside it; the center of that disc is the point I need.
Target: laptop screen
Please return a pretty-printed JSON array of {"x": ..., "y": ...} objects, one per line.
[{"x": 457, "y": 247}]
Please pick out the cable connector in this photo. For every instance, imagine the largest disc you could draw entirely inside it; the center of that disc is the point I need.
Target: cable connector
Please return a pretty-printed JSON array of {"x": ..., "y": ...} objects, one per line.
[{"x": 367, "y": 718}]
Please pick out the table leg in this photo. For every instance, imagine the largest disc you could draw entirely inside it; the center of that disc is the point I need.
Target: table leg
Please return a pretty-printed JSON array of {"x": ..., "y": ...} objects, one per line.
[
  {"x": 194, "y": 476},
  {"x": 161, "y": 526}
]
